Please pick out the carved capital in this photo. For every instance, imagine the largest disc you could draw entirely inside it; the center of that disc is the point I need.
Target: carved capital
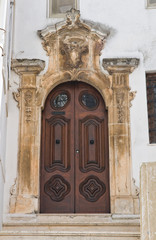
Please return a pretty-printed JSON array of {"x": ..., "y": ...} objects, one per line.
[
  {"x": 26, "y": 66},
  {"x": 120, "y": 65}
]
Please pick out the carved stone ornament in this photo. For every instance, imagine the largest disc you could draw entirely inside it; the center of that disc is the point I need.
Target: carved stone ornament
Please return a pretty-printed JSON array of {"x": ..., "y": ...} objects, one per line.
[
  {"x": 73, "y": 50},
  {"x": 28, "y": 102},
  {"x": 131, "y": 97},
  {"x": 73, "y": 46},
  {"x": 120, "y": 106},
  {"x": 16, "y": 96}
]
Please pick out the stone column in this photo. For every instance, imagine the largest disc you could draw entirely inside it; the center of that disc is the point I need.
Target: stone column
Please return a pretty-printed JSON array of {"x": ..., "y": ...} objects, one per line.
[
  {"x": 148, "y": 201},
  {"x": 25, "y": 198},
  {"x": 123, "y": 198}
]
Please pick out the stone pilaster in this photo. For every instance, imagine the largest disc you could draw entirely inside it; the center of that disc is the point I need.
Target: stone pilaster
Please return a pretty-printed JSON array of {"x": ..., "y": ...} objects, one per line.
[
  {"x": 123, "y": 198},
  {"x": 25, "y": 198},
  {"x": 148, "y": 201}
]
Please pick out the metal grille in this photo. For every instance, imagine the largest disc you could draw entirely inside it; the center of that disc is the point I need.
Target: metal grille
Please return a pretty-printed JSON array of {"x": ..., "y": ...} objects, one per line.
[{"x": 151, "y": 102}]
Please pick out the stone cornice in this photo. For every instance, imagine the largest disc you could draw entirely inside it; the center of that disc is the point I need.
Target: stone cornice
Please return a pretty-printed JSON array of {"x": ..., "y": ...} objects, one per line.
[
  {"x": 27, "y": 66},
  {"x": 120, "y": 65}
]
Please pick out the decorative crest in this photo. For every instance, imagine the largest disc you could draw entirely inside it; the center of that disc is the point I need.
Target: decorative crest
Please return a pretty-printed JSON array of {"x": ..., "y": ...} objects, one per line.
[{"x": 73, "y": 17}]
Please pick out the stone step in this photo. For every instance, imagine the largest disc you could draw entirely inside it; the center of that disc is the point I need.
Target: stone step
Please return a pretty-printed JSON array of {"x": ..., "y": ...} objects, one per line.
[
  {"x": 41, "y": 235},
  {"x": 70, "y": 226}
]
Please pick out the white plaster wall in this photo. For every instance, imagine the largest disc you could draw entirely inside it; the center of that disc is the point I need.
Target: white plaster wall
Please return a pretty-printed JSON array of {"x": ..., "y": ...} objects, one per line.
[
  {"x": 5, "y": 50},
  {"x": 3, "y": 97},
  {"x": 133, "y": 34}
]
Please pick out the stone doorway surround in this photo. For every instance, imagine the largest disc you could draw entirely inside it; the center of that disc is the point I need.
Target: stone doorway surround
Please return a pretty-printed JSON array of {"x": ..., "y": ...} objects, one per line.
[{"x": 74, "y": 51}]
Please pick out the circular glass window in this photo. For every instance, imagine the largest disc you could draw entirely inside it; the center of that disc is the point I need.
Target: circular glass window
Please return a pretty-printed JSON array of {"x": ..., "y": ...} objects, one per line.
[
  {"x": 89, "y": 101},
  {"x": 60, "y": 100}
]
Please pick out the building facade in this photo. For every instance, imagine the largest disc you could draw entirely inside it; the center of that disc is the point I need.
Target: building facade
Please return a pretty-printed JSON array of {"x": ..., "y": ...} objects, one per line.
[{"x": 107, "y": 49}]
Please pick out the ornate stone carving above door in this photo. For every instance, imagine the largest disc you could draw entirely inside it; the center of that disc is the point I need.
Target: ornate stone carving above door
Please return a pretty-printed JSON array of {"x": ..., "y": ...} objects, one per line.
[{"x": 74, "y": 48}]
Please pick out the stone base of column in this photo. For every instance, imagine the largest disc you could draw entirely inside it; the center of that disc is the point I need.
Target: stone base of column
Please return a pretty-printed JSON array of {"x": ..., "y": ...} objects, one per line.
[
  {"x": 148, "y": 201},
  {"x": 23, "y": 204},
  {"x": 125, "y": 205}
]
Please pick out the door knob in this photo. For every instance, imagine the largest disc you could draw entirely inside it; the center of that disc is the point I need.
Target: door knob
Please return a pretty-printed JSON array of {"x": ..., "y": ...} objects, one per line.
[
  {"x": 92, "y": 141},
  {"x": 77, "y": 151},
  {"x": 57, "y": 141}
]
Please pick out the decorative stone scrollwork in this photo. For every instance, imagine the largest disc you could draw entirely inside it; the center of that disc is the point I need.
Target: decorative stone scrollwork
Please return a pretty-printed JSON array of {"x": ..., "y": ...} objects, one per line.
[
  {"x": 28, "y": 102},
  {"x": 131, "y": 97},
  {"x": 57, "y": 188},
  {"x": 73, "y": 17},
  {"x": 120, "y": 106},
  {"x": 16, "y": 96}
]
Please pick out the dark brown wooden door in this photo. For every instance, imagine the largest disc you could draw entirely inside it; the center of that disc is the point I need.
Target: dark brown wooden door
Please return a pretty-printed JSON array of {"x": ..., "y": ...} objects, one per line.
[{"x": 74, "y": 151}]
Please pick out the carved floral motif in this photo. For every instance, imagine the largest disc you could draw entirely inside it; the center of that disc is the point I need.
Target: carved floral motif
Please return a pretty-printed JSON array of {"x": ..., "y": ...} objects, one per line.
[
  {"x": 28, "y": 101},
  {"x": 120, "y": 106}
]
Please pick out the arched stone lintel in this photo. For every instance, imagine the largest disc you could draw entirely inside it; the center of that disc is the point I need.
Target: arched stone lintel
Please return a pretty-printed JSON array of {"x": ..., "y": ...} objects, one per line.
[{"x": 98, "y": 80}]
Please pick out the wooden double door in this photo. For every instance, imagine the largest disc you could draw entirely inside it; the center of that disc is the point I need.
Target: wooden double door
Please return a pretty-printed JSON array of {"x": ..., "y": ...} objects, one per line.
[{"x": 74, "y": 151}]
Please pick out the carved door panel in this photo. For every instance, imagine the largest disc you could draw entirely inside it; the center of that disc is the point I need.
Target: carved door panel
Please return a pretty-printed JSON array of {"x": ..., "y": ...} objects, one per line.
[
  {"x": 74, "y": 152},
  {"x": 57, "y": 152},
  {"x": 91, "y": 160}
]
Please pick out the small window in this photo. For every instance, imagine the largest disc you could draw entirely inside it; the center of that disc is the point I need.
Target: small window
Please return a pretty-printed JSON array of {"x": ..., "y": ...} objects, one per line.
[
  {"x": 58, "y": 8},
  {"x": 151, "y": 102},
  {"x": 151, "y": 3}
]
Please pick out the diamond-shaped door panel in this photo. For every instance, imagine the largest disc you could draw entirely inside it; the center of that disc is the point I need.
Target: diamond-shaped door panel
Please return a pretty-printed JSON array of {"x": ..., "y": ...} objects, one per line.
[
  {"x": 57, "y": 188},
  {"x": 92, "y": 188}
]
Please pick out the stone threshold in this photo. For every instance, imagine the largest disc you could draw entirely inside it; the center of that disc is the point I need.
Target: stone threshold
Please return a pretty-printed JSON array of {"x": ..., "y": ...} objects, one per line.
[
  {"x": 70, "y": 226},
  {"x": 79, "y": 219}
]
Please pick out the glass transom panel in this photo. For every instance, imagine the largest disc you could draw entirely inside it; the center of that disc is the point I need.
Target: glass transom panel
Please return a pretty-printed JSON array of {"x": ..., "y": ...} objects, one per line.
[
  {"x": 89, "y": 101},
  {"x": 60, "y": 100}
]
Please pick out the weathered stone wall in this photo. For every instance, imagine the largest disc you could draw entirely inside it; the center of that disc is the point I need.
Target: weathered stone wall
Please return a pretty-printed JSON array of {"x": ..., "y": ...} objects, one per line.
[{"x": 148, "y": 201}]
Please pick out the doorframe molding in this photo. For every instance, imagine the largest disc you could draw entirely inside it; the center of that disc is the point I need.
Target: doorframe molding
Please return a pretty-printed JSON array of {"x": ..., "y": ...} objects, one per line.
[{"x": 74, "y": 54}]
